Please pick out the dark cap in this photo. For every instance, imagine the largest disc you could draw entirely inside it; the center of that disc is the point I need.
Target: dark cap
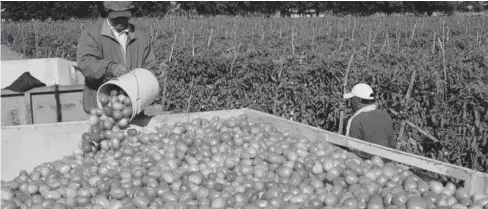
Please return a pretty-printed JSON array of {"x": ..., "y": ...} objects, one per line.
[{"x": 118, "y": 8}]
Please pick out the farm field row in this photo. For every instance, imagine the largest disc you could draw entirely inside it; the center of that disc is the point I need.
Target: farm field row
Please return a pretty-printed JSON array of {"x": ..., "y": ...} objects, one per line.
[{"x": 295, "y": 68}]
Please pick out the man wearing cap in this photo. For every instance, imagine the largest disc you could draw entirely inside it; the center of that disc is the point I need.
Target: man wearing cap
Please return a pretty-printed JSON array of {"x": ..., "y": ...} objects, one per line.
[
  {"x": 111, "y": 48},
  {"x": 369, "y": 123}
]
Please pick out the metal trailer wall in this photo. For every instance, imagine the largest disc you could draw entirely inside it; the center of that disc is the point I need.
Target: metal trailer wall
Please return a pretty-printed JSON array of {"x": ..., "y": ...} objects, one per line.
[{"x": 26, "y": 146}]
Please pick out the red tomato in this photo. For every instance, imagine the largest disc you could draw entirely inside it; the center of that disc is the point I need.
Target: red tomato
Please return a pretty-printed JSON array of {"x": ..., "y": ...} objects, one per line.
[
  {"x": 141, "y": 201},
  {"x": 114, "y": 92},
  {"x": 123, "y": 123},
  {"x": 117, "y": 106},
  {"x": 117, "y": 115},
  {"x": 127, "y": 102},
  {"x": 416, "y": 203},
  {"x": 118, "y": 193},
  {"x": 6, "y": 194},
  {"x": 127, "y": 112},
  {"x": 108, "y": 111},
  {"x": 103, "y": 99}
]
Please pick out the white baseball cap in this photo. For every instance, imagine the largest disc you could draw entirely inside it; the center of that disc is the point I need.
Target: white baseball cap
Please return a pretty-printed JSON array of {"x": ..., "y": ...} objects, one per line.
[{"x": 360, "y": 90}]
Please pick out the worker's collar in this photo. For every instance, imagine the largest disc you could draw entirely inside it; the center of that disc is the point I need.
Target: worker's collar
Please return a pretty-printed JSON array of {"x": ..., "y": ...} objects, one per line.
[
  {"x": 367, "y": 108},
  {"x": 106, "y": 31},
  {"x": 111, "y": 27}
]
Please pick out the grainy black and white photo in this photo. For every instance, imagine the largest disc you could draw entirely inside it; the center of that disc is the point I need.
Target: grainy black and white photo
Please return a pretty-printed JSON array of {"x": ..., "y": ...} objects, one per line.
[{"x": 244, "y": 104}]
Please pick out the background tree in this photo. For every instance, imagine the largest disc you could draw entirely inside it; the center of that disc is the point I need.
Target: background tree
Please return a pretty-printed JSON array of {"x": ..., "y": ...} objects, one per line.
[
  {"x": 62, "y": 10},
  {"x": 151, "y": 8}
]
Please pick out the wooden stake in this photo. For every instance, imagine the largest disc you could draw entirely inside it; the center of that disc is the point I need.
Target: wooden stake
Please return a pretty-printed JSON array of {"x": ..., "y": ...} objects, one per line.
[
  {"x": 481, "y": 37},
  {"x": 36, "y": 34},
  {"x": 275, "y": 99},
  {"x": 280, "y": 31},
  {"x": 340, "y": 45},
  {"x": 344, "y": 87},
  {"x": 165, "y": 76},
  {"x": 189, "y": 101},
  {"x": 377, "y": 29},
  {"x": 313, "y": 36},
  {"x": 293, "y": 39},
  {"x": 464, "y": 115},
  {"x": 477, "y": 39},
  {"x": 388, "y": 37},
  {"x": 407, "y": 97},
  {"x": 443, "y": 31},
  {"x": 183, "y": 35},
  {"x": 152, "y": 32},
  {"x": 353, "y": 29},
  {"x": 433, "y": 43},
  {"x": 235, "y": 30},
  {"x": 369, "y": 43},
  {"x": 447, "y": 38},
  {"x": 193, "y": 46},
  {"x": 416, "y": 128},
  {"x": 320, "y": 28},
  {"x": 172, "y": 48},
  {"x": 385, "y": 41},
  {"x": 210, "y": 38},
  {"x": 444, "y": 67},
  {"x": 286, "y": 26},
  {"x": 235, "y": 58},
  {"x": 413, "y": 30},
  {"x": 22, "y": 32},
  {"x": 399, "y": 35}
]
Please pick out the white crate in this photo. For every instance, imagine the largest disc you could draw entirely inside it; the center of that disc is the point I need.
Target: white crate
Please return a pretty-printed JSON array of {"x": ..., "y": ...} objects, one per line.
[{"x": 49, "y": 71}]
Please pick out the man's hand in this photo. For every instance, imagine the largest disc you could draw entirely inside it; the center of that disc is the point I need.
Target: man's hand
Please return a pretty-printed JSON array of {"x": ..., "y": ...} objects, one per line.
[{"x": 117, "y": 70}]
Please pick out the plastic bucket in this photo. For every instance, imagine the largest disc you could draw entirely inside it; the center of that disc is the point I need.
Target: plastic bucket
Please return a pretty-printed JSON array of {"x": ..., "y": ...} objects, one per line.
[{"x": 141, "y": 86}]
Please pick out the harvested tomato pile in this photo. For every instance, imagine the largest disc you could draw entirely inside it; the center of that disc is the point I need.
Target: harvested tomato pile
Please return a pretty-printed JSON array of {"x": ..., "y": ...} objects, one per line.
[
  {"x": 108, "y": 121},
  {"x": 223, "y": 163}
]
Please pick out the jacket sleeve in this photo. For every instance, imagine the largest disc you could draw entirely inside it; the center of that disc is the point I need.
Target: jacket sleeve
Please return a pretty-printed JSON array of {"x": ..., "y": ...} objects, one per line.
[
  {"x": 149, "y": 59},
  {"x": 89, "y": 58}
]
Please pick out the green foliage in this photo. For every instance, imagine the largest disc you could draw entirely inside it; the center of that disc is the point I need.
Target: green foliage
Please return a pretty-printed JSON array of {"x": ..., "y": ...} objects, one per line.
[
  {"x": 259, "y": 63},
  {"x": 151, "y": 8},
  {"x": 63, "y": 10},
  {"x": 57, "y": 10}
]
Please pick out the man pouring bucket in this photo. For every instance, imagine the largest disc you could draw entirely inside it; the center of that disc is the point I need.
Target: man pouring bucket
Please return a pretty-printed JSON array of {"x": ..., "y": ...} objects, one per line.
[
  {"x": 113, "y": 48},
  {"x": 369, "y": 123}
]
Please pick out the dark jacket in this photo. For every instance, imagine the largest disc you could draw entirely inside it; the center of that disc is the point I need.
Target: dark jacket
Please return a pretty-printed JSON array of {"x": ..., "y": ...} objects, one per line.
[
  {"x": 98, "y": 49},
  {"x": 375, "y": 127}
]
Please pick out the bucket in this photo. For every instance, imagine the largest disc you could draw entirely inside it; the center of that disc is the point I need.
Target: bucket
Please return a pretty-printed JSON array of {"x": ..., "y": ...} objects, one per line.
[{"x": 140, "y": 85}]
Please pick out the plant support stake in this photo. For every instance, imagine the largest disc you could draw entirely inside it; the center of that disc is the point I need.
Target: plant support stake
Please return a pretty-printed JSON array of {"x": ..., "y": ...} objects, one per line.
[
  {"x": 344, "y": 86},
  {"x": 407, "y": 97}
]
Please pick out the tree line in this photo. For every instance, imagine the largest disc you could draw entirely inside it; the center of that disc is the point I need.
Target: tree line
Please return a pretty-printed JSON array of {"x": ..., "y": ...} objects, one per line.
[{"x": 63, "y": 10}]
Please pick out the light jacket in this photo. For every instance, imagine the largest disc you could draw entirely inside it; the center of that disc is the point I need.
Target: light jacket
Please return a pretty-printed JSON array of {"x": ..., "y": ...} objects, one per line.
[{"x": 98, "y": 49}]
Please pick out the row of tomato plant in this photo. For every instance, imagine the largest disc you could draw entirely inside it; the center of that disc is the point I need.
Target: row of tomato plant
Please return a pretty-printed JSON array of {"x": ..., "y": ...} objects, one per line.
[{"x": 294, "y": 68}]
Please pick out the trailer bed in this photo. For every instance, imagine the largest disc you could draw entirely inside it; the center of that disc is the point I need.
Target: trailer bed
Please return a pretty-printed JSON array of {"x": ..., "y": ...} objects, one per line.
[{"x": 31, "y": 145}]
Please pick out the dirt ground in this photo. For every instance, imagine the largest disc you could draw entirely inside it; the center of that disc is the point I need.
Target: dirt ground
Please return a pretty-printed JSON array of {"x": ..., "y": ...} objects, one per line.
[{"x": 7, "y": 54}]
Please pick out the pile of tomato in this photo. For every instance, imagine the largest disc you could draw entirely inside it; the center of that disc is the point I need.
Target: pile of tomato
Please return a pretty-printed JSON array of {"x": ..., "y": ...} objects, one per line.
[
  {"x": 108, "y": 121},
  {"x": 222, "y": 163}
]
